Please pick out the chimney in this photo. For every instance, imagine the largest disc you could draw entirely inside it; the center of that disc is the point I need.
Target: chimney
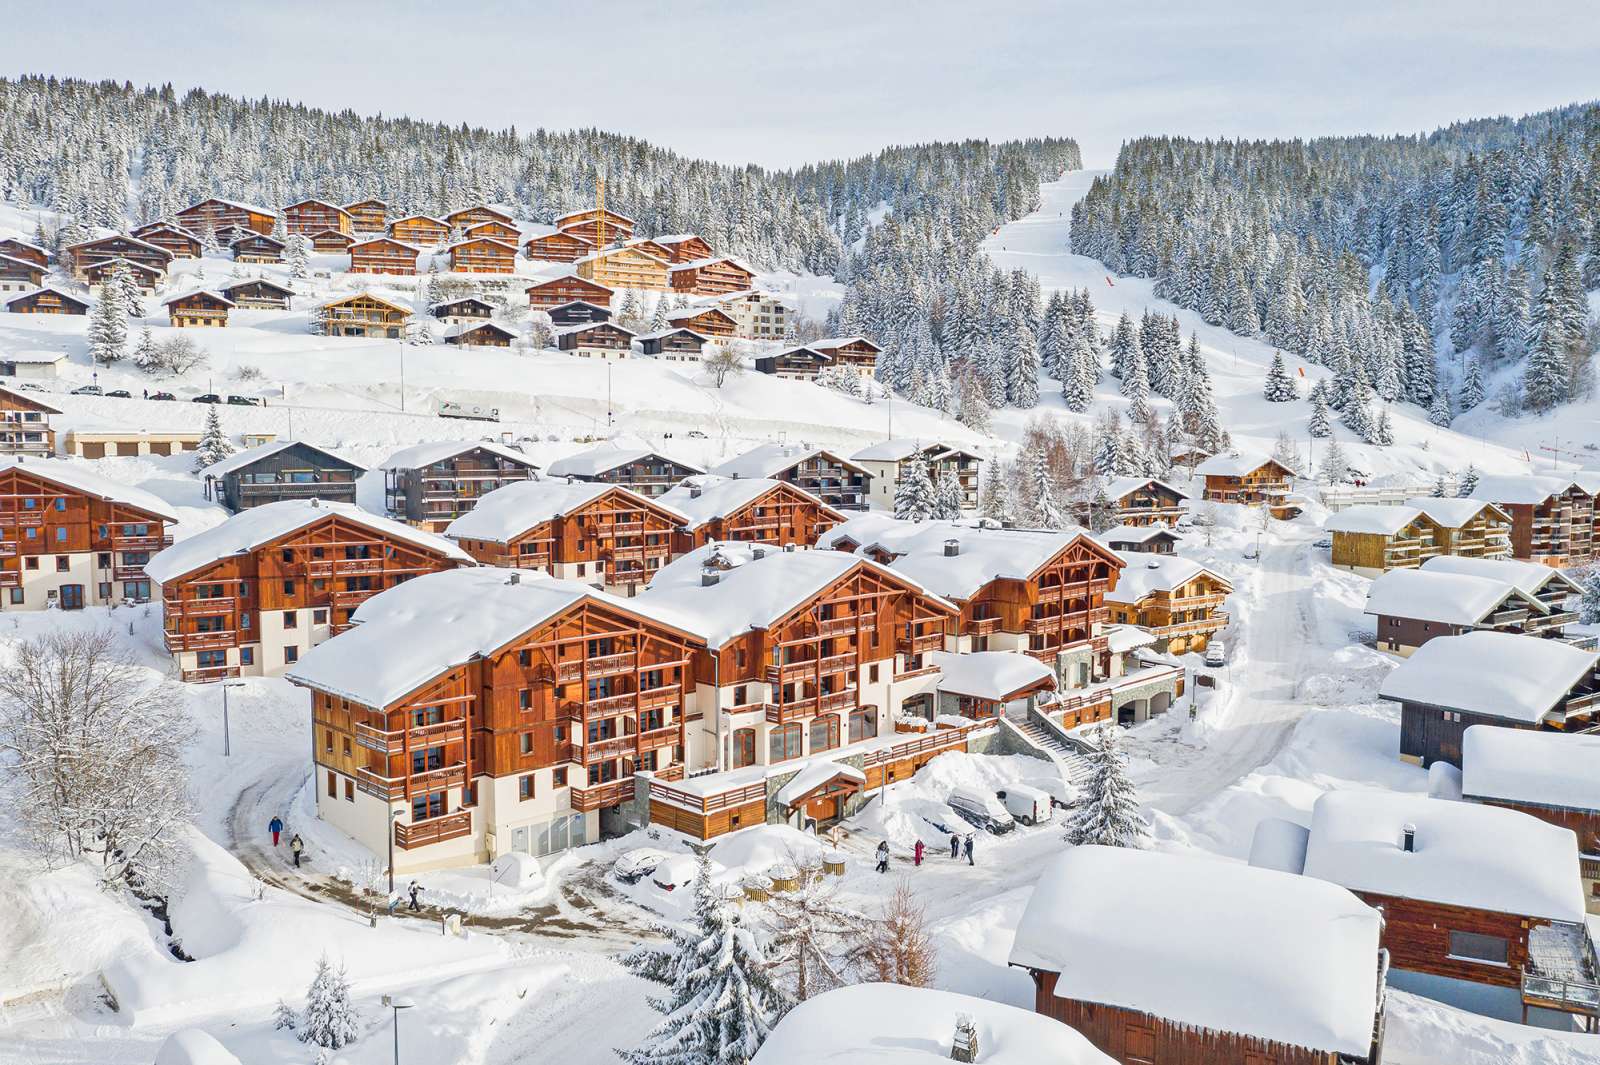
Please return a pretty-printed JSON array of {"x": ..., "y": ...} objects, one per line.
[
  {"x": 1408, "y": 838},
  {"x": 965, "y": 1046},
  {"x": 316, "y": 504},
  {"x": 515, "y": 578},
  {"x": 790, "y": 548},
  {"x": 758, "y": 552},
  {"x": 952, "y": 548},
  {"x": 708, "y": 577},
  {"x": 694, "y": 491}
]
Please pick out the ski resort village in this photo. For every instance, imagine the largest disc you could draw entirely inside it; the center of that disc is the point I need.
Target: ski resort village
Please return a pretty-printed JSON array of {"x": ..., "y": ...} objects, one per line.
[{"x": 477, "y": 595}]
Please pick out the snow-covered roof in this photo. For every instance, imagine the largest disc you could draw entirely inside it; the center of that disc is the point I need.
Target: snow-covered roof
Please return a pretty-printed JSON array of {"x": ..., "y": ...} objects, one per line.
[
  {"x": 1526, "y": 488},
  {"x": 699, "y": 264},
  {"x": 192, "y": 1046},
  {"x": 418, "y": 456},
  {"x": 601, "y": 458},
  {"x": 687, "y": 313},
  {"x": 1373, "y": 518},
  {"x": 31, "y": 357},
  {"x": 839, "y": 342},
  {"x": 769, "y": 460},
  {"x": 1251, "y": 951},
  {"x": 677, "y": 238},
  {"x": 420, "y": 218},
  {"x": 40, "y": 250},
  {"x": 594, "y": 210},
  {"x": 1588, "y": 480},
  {"x": 585, "y": 327},
  {"x": 441, "y": 620},
  {"x": 1447, "y": 598},
  {"x": 898, "y": 449},
  {"x": 315, "y": 203},
  {"x": 390, "y": 299},
  {"x": 506, "y": 513},
  {"x": 569, "y": 276},
  {"x": 1121, "y": 639},
  {"x": 462, "y": 328},
  {"x": 813, "y": 775},
  {"x": 252, "y": 528},
  {"x": 705, "y": 497},
  {"x": 1526, "y": 765},
  {"x": 69, "y": 297},
  {"x": 1531, "y": 577},
  {"x": 1118, "y": 487},
  {"x": 385, "y": 240},
  {"x": 468, "y": 239},
  {"x": 1465, "y": 854},
  {"x": 71, "y": 475},
  {"x": 266, "y": 281},
  {"x": 36, "y": 357},
  {"x": 213, "y": 293},
  {"x": 253, "y": 208},
  {"x": 1144, "y": 574},
  {"x": 892, "y": 1024},
  {"x": 756, "y": 586},
  {"x": 1135, "y": 534},
  {"x": 1281, "y": 845},
  {"x": 580, "y": 303},
  {"x": 1240, "y": 465},
  {"x": 1452, "y": 512},
  {"x": 604, "y": 253},
  {"x": 25, "y": 263},
  {"x": 1497, "y": 674},
  {"x": 240, "y": 459},
  {"x": 992, "y": 675},
  {"x": 663, "y": 333},
  {"x": 120, "y": 236}
]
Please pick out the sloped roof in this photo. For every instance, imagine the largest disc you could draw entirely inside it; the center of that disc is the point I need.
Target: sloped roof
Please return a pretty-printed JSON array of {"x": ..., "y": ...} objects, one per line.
[
  {"x": 591, "y": 462},
  {"x": 1527, "y": 489},
  {"x": 1447, "y": 598},
  {"x": 70, "y": 475},
  {"x": 900, "y": 448},
  {"x": 1531, "y": 577},
  {"x": 1240, "y": 465},
  {"x": 1372, "y": 518},
  {"x": 705, "y": 497},
  {"x": 1145, "y": 574},
  {"x": 1118, "y": 487},
  {"x": 80, "y": 301},
  {"x": 768, "y": 460},
  {"x": 508, "y": 512},
  {"x": 240, "y": 459},
  {"x": 1451, "y": 512},
  {"x": 1525, "y": 765},
  {"x": 1496, "y": 674},
  {"x": 418, "y": 456},
  {"x": 992, "y": 675}
]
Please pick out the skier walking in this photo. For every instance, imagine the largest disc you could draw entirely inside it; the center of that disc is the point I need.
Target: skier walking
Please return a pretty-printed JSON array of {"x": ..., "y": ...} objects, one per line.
[
  {"x": 883, "y": 856},
  {"x": 275, "y": 826},
  {"x": 296, "y": 845},
  {"x": 916, "y": 854},
  {"x": 414, "y": 889},
  {"x": 968, "y": 849},
  {"x": 955, "y": 847}
]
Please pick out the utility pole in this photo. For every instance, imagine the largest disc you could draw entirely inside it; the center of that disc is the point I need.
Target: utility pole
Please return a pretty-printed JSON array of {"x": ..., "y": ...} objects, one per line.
[
  {"x": 394, "y": 816},
  {"x": 227, "y": 741},
  {"x": 402, "y": 377}
]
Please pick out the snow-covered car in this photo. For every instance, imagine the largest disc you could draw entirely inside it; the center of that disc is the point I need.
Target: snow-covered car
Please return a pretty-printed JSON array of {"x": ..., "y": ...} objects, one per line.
[
  {"x": 1251, "y": 553},
  {"x": 1323, "y": 543},
  {"x": 981, "y": 808},
  {"x": 637, "y": 864},
  {"x": 1027, "y": 804},
  {"x": 676, "y": 871},
  {"x": 29, "y": 386},
  {"x": 1216, "y": 653}
]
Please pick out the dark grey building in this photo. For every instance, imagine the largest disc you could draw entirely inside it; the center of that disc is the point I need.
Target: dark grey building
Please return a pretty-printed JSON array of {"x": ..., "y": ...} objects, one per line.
[
  {"x": 283, "y": 469},
  {"x": 430, "y": 485}
]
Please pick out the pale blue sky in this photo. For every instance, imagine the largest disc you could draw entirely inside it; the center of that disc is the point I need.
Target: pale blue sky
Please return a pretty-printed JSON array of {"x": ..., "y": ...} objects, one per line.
[{"x": 781, "y": 84}]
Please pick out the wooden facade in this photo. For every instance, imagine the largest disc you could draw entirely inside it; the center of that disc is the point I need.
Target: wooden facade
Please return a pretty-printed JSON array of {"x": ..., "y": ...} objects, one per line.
[
  {"x": 1183, "y": 618},
  {"x": 578, "y": 312},
  {"x": 383, "y": 255},
  {"x": 310, "y": 217},
  {"x": 854, "y": 353},
  {"x": 365, "y": 315},
  {"x": 19, "y": 275},
  {"x": 681, "y": 345},
  {"x": 707, "y": 321},
  {"x": 218, "y": 215},
  {"x": 145, "y": 278},
  {"x": 28, "y": 253},
  {"x": 557, "y": 247},
  {"x": 711, "y": 277},
  {"x": 258, "y": 248},
  {"x": 424, "y": 231},
  {"x": 685, "y": 247},
  {"x": 259, "y": 294},
  {"x": 646, "y": 473},
  {"x": 117, "y": 246},
  {"x": 494, "y": 230},
  {"x": 1266, "y": 483},
  {"x": 468, "y": 217},
  {"x": 624, "y": 268},
  {"x": 483, "y": 255},
  {"x": 331, "y": 241},
  {"x": 795, "y": 364},
  {"x": 1378, "y": 552},
  {"x": 47, "y": 301},
  {"x": 467, "y": 309},
  {"x": 605, "y": 340},
  {"x": 480, "y": 334},
  {"x": 1486, "y": 535},
  {"x": 297, "y": 471},
  {"x": 566, "y": 289},
  {"x": 25, "y": 425},
  {"x": 201, "y": 308},
  {"x": 1559, "y": 531},
  {"x": 442, "y": 491},
  {"x": 174, "y": 238},
  {"x": 783, "y": 514},
  {"x": 586, "y": 224},
  {"x": 368, "y": 217},
  {"x": 1056, "y": 610},
  {"x": 1148, "y": 503}
]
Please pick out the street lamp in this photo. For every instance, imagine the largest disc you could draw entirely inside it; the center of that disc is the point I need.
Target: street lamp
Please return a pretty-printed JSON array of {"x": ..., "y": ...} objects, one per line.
[
  {"x": 394, "y": 816},
  {"x": 227, "y": 742},
  {"x": 397, "y": 1003}
]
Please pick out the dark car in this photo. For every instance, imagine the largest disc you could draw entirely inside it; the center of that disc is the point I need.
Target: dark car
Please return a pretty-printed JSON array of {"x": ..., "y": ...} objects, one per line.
[
  {"x": 119, "y": 393},
  {"x": 243, "y": 401},
  {"x": 209, "y": 397},
  {"x": 162, "y": 395}
]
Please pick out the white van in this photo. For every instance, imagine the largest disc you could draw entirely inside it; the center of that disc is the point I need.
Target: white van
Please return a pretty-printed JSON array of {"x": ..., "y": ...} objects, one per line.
[
  {"x": 1026, "y": 803},
  {"x": 982, "y": 809},
  {"x": 1216, "y": 653}
]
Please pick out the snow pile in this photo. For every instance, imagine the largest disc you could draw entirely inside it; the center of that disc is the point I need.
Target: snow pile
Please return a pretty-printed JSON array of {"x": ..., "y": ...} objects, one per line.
[
  {"x": 908, "y": 810},
  {"x": 191, "y": 1046},
  {"x": 1528, "y": 766}
]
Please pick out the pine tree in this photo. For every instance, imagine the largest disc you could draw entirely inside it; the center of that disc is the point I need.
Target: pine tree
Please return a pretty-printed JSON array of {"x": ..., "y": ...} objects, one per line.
[
  {"x": 299, "y": 257},
  {"x": 816, "y": 940},
  {"x": 108, "y": 328},
  {"x": 144, "y": 354},
  {"x": 1439, "y": 490},
  {"x": 720, "y": 1000},
  {"x": 994, "y": 501},
  {"x": 1334, "y": 468},
  {"x": 1022, "y": 370},
  {"x": 1280, "y": 386},
  {"x": 1108, "y": 813},
  {"x": 132, "y": 298},
  {"x": 914, "y": 497},
  {"x": 1439, "y": 409},
  {"x": 1469, "y": 482},
  {"x": 1382, "y": 433},
  {"x": 283, "y": 1016},
  {"x": 1471, "y": 386},
  {"x": 1589, "y": 602},
  {"x": 330, "y": 1018},
  {"x": 1318, "y": 425},
  {"x": 214, "y": 444}
]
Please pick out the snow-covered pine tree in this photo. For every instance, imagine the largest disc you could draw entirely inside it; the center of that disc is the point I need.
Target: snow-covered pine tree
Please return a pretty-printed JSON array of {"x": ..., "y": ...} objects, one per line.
[
  {"x": 1279, "y": 387},
  {"x": 132, "y": 298},
  {"x": 299, "y": 257},
  {"x": 144, "y": 353},
  {"x": 1382, "y": 434},
  {"x": 1108, "y": 813},
  {"x": 947, "y": 498},
  {"x": 1022, "y": 369},
  {"x": 1286, "y": 452},
  {"x": 1046, "y": 511},
  {"x": 1439, "y": 409},
  {"x": 329, "y": 1019},
  {"x": 214, "y": 444},
  {"x": 1440, "y": 489},
  {"x": 1319, "y": 425},
  {"x": 1109, "y": 450},
  {"x": 1124, "y": 342},
  {"x": 914, "y": 497},
  {"x": 816, "y": 940},
  {"x": 720, "y": 1000},
  {"x": 1334, "y": 467},
  {"x": 1469, "y": 482},
  {"x": 1080, "y": 372},
  {"x": 108, "y": 327},
  {"x": 1589, "y": 601},
  {"x": 994, "y": 499},
  {"x": 283, "y": 1016}
]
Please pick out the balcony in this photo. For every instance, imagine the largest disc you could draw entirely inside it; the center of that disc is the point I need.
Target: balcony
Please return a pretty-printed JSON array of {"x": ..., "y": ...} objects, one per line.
[
  {"x": 627, "y": 528},
  {"x": 8, "y": 549},
  {"x": 128, "y": 573},
  {"x": 374, "y": 783},
  {"x": 198, "y": 608},
  {"x": 610, "y": 705},
  {"x": 598, "y": 796},
  {"x": 433, "y": 830},
  {"x": 983, "y": 626},
  {"x": 1560, "y": 973},
  {"x": 10, "y": 578},
  {"x": 605, "y": 750},
  {"x": 140, "y": 543},
  {"x": 916, "y": 645},
  {"x": 838, "y": 701},
  {"x": 655, "y": 739},
  {"x": 394, "y": 741},
  {"x": 659, "y": 697},
  {"x": 1197, "y": 602},
  {"x": 1581, "y": 705},
  {"x": 201, "y": 641},
  {"x": 1213, "y": 623},
  {"x": 627, "y": 554},
  {"x": 844, "y": 626},
  {"x": 208, "y": 674}
]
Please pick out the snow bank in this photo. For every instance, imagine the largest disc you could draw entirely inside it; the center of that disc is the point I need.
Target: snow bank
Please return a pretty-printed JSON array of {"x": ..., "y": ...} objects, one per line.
[
  {"x": 191, "y": 1046},
  {"x": 905, "y": 812}
]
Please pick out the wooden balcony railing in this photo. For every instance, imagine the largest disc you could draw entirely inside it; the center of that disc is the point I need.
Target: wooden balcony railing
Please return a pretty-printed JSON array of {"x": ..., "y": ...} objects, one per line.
[
  {"x": 666, "y": 736},
  {"x": 393, "y": 741},
  {"x": 433, "y": 830},
  {"x": 597, "y": 796},
  {"x": 983, "y": 626},
  {"x": 605, "y": 750},
  {"x": 200, "y": 641},
  {"x": 915, "y": 645},
  {"x": 841, "y": 626},
  {"x": 197, "y": 608}
]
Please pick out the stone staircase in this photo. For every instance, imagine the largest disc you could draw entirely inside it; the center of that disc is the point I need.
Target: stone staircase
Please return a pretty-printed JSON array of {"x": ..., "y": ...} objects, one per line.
[{"x": 1072, "y": 762}]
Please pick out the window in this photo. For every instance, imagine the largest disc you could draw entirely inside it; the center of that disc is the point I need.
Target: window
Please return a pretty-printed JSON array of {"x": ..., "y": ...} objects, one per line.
[
  {"x": 104, "y": 561},
  {"x": 525, "y": 741},
  {"x": 333, "y": 786},
  {"x": 863, "y": 725},
  {"x": 525, "y": 659},
  {"x": 319, "y": 616},
  {"x": 33, "y": 534},
  {"x": 288, "y": 555},
  {"x": 349, "y": 791},
  {"x": 525, "y": 787},
  {"x": 872, "y": 673},
  {"x": 426, "y": 806},
  {"x": 105, "y": 590},
  {"x": 783, "y": 743},
  {"x": 347, "y": 746},
  {"x": 291, "y": 655},
  {"x": 16, "y": 595},
  {"x": 61, "y": 534},
  {"x": 61, "y": 504},
  {"x": 740, "y": 695},
  {"x": 825, "y": 733},
  {"x": 291, "y": 619},
  {"x": 211, "y": 659},
  {"x": 1474, "y": 946},
  {"x": 558, "y": 777},
  {"x": 525, "y": 699},
  {"x": 244, "y": 621},
  {"x": 327, "y": 743},
  {"x": 63, "y": 562}
]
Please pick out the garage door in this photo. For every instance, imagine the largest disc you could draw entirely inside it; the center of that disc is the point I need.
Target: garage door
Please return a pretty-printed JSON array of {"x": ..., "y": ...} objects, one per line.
[
  {"x": 128, "y": 447},
  {"x": 160, "y": 447},
  {"x": 94, "y": 450}
]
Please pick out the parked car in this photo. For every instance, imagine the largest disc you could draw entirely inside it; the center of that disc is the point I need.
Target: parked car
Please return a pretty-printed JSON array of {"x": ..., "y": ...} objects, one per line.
[
  {"x": 1027, "y": 804},
  {"x": 1216, "y": 653},
  {"x": 87, "y": 390},
  {"x": 676, "y": 871},
  {"x": 1251, "y": 553},
  {"x": 637, "y": 864},
  {"x": 982, "y": 809},
  {"x": 695, "y": 434},
  {"x": 1323, "y": 542},
  {"x": 209, "y": 397},
  {"x": 243, "y": 401},
  {"x": 29, "y": 386},
  {"x": 119, "y": 393},
  {"x": 162, "y": 395}
]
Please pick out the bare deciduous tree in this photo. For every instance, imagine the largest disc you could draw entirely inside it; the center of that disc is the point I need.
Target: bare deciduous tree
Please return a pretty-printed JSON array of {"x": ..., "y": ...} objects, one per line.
[
  {"x": 96, "y": 758},
  {"x": 177, "y": 355},
  {"x": 817, "y": 941},
  {"x": 721, "y": 361},
  {"x": 900, "y": 950}
]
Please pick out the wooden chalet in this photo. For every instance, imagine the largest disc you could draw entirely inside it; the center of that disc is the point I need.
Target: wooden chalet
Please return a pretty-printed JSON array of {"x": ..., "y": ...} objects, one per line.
[
  {"x": 1543, "y": 775},
  {"x": 1481, "y": 905},
  {"x": 258, "y": 248},
  {"x": 1140, "y": 539},
  {"x": 259, "y": 294},
  {"x": 586, "y": 224},
  {"x": 70, "y": 539},
  {"x": 546, "y": 295},
  {"x": 1489, "y": 678},
  {"x": 1467, "y": 528},
  {"x": 1139, "y": 501},
  {"x": 1552, "y": 518},
  {"x": 854, "y": 353},
  {"x": 1248, "y": 478},
  {"x": 145, "y": 278},
  {"x": 674, "y": 345},
  {"x": 331, "y": 241},
  {"x": 117, "y": 246},
  {"x": 602, "y": 340},
  {"x": 249, "y": 597},
  {"x": 494, "y": 230},
  {"x": 595, "y": 533},
  {"x": 756, "y": 315},
  {"x": 1174, "y": 599},
  {"x": 228, "y": 236},
  {"x": 578, "y": 312},
  {"x": 891, "y": 461},
  {"x": 1258, "y": 967},
  {"x": 283, "y": 469},
  {"x": 28, "y": 253},
  {"x": 422, "y": 230},
  {"x": 644, "y": 471},
  {"x": 794, "y": 364},
  {"x": 557, "y": 247},
  {"x": 47, "y": 301},
  {"x": 365, "y": 314},
  {"x": 383, "y": 255},
  {"x": 742, "y": 510},
  {"x": 1188, "y": 456},
  {"x": 311, "y": 217},
  {"x": 463, "y": 311},
  {"x": 368, "y": 217},
  {"x": 171, "y": 236},
  {"x": 649, "y": 247},
  {"x": 821, "y": 473},
  {"x": 468, "y": 217},
  {"x": 430, "y": 485},
  {"x": 19, "y": 275},
  {"x": 483, "y": 255},
  {"x": 217, "y": 215},
  {"x": 1370, "y": 539},
  {"x": 1548, "y": 585},
  {"x": 707, "y": 321},
  {"x": 479, "y": 335},
  {"x": 715, "y": 276},
  {"x": 201, "y": 308},
  {"x": 25, "y": 425},
  {"x": 1412, "y": 607},
  {"x": 684, "y": 247},
  {"x": 624, "y": 268},
  {"x": 509, "y": 735}
]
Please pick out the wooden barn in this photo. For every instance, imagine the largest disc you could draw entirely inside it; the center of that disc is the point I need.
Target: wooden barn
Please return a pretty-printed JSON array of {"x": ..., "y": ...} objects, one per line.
[
  {"x": 463, "y": 311},
  {"x": 674, "y": 345},
  {"x": 625, "y": 268},
  {"x": 28, "y": 253},
  {"x": 1258, "y": 967},
  {"x": 711, "y": 277},
  {"x": 468, "y": 217},
  {"x": 685, "y": 247},
  {"x": 423, "y": 230},
  {"x": 310, "y": 217},
  {"x": 578, "y": 312},
  {"x": 479, "y": 335},
  {"x": 146, "y": 278},
  {"x": 19, "y": 275},
  {"x": 795, "y": 364},
  {"x": 383, "y": 255},
  {"x": 218, "y": 215},
  {"x": 117, "y": 246},
  {"x": 177, "y": 240},
  {"x": 201, "y": 308},
  {"x": 494, "y": 230},
  {"x": 47, "y": 301},
  {"x": 852, "y": 353},
  {"x": 258, "y": 248},
  {"x": 365, "y": 314},
  {"x": 707, "y": 321},
  {"x": 557, "y": 247},
  {"x": 367, "y": 217},
  {"x": 259, "y": 294},
  {"x": 331, "y": 241},
  {"x": 483, "y": 255},
  {"x": 601, "y": 340},
  {"x": 586, "y": 224},
  {"x": 566, "y": 288}
]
